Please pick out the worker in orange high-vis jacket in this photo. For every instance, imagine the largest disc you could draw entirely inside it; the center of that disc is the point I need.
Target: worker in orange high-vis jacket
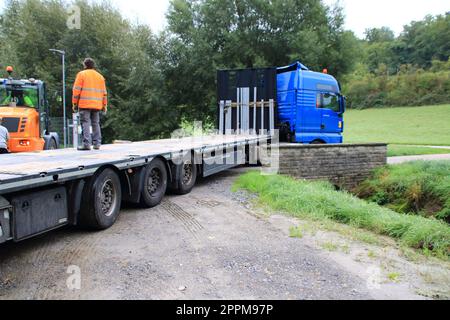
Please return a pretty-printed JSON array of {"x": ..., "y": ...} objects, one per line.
[{"x": 89, "y": 99}]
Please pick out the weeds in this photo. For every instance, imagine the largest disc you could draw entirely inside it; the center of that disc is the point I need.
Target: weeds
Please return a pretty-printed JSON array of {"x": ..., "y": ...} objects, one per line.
[
  {"x": 320, "y": 201},
  {"x": 421, "y": 188}
]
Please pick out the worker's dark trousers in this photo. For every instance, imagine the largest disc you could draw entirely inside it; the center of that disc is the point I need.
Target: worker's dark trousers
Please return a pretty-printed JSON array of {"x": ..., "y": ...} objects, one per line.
[
  {"x": 3, "y": 151},
  {"x": 90, "y": 118}
]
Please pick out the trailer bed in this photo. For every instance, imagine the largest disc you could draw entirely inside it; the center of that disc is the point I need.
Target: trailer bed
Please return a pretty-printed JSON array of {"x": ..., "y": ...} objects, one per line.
[{"x": 30, "y": 170}]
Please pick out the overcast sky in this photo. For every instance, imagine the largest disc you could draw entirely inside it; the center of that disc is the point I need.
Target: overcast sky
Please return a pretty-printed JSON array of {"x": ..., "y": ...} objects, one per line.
[{"x": 360, "y": 14}]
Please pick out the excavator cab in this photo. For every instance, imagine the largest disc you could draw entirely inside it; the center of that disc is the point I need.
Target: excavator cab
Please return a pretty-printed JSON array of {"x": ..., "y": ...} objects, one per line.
[{"x": 24, "y": 110}]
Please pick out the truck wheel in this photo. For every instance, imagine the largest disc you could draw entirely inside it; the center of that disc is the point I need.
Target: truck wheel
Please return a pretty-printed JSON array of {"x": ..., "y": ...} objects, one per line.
[
  {"x": 155, "y": 184},
  {"x": 51, "y": 145},
  {"x": 187, "y": 174},
  {"x": 101, "y": 201}
]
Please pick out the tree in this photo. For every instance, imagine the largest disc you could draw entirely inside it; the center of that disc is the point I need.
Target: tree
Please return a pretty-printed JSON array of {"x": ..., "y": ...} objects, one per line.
[
  {"x": 207, "y": 35},
  {"x": 383, "y": 34}
]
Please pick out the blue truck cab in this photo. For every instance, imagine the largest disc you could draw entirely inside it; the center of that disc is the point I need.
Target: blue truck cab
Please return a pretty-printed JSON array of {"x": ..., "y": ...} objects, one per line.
[{"x": 310, "y": 106}]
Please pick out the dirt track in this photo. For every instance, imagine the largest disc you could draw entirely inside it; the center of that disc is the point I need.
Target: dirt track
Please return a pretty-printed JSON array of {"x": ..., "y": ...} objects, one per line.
[{"x": 206, "y": 245}]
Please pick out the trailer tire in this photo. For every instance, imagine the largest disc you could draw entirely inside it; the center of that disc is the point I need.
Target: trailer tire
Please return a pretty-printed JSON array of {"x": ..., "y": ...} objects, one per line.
[
  {"x": 51, "y": 144},
  {"x": 155, "y": 184},
  {"x": 101, "y": 201},
  {"x": 186, "y": 178}
]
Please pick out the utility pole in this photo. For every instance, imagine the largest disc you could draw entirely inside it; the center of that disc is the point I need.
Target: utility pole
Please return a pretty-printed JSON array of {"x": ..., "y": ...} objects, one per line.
[{"x": 63, "y": 58}]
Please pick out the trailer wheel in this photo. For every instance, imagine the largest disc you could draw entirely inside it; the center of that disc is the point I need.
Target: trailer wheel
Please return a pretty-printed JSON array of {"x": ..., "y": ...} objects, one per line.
[
  {"x": 155, "y": 184},
  {"x": 187, "y": 177},
  {"x": 51, "y": 144},
  {"x": 101, "y": 201}
]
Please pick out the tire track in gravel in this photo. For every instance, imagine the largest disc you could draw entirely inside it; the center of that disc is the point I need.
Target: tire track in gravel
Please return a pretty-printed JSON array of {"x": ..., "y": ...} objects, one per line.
[{"x": 189, "y": 223}]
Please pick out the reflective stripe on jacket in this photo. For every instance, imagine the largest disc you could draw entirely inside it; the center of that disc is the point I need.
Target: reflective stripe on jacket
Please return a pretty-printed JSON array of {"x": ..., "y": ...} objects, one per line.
[{"x": 89, "y": 90}]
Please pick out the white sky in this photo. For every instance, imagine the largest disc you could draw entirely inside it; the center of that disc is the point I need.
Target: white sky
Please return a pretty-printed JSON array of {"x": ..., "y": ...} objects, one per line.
[{"x": 360, "y": 14}]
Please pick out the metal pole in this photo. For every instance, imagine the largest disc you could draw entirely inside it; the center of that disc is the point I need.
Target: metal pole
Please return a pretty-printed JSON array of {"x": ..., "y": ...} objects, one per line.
[{"x": 63, "y": 55}]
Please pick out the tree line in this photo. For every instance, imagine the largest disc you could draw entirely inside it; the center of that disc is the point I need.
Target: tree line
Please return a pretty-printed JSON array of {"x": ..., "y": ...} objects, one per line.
[{"x": 157, "y": 81}]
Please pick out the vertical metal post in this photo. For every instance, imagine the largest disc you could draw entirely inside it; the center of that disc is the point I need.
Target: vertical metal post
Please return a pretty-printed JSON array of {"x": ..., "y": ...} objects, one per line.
[
  {"x": 63, "y": 56},
  {"x": 245, "y": 110},
  {"x": 229, "y": 116},
  {"x": 221, "y": 117},
  {"x": 262, "y": 118},
  {"x": 238, "y": 110},
  {"x": 75, "y": 127},
  {"x": 255, "y": 102},
  {"x": 272, "y": 116},
  {"x": 63, "y": 59}
]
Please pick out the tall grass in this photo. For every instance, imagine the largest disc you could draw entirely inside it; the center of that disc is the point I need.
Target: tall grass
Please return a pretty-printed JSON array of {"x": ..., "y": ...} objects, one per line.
[
  {"x": 421, "y": 187},
  {"x": 320, "y": 200}
]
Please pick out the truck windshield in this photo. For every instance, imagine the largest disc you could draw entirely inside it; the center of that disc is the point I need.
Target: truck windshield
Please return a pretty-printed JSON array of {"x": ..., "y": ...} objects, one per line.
[
  {"x": 20, "y": 96},
  {"x": 328, "y": 101}
]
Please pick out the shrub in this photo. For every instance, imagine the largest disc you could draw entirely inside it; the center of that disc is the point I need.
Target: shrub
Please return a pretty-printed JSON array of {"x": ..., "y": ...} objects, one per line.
[{"x": 409, "y": 87}]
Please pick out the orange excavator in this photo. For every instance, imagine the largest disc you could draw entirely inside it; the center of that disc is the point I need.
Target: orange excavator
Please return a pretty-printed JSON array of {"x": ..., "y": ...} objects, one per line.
[{"x": 25, "y": 113}]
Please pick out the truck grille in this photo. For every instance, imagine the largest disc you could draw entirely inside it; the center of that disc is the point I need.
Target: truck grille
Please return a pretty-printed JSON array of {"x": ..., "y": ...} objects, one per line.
[{"x": 12, "y": 124}]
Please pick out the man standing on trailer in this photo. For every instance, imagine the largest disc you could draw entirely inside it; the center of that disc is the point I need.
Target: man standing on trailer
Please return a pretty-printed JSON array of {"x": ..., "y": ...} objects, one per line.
[
  {"x": 4, "y": 137},
  {"x": 89, "y": 98}
]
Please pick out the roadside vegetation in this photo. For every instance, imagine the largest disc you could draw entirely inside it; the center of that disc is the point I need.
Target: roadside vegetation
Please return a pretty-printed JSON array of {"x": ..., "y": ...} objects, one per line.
[
  {"x": 420, "y": 188},
  {"x": 320, "y": 201},
  {"x": 409, "y": 86},
  {"x": 428, "y": 126},
  {"x": 396, "y": 150}
]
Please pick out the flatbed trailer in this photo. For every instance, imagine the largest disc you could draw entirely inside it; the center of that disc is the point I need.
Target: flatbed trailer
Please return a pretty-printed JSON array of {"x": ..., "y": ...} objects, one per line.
[{"x": 43, "y": 191}]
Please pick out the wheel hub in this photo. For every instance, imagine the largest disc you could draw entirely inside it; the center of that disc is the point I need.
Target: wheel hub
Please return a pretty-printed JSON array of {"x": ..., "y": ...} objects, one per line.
[
  {"x": 108, "y": 198},
  {"x": 154, "y": 181},
  {"x": 187, "y": 173}
]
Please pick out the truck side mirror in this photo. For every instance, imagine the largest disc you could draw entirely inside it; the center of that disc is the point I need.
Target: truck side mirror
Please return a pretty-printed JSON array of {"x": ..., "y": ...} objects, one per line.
[{"x": 342, "y": 102}]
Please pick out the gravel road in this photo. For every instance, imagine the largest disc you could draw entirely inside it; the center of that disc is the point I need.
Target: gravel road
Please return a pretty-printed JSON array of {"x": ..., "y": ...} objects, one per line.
[{"x": 206, "y": 245}]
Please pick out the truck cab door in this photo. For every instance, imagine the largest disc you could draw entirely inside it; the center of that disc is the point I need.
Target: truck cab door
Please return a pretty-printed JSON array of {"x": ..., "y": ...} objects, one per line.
[
  {"x": 330, "y": 105},
  {"x": 309, "y": 116}
]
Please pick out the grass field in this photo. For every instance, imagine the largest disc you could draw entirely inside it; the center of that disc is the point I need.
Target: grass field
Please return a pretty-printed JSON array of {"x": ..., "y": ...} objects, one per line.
[
  {"x": 397, "y": 150},
  {"x": 407, "y": 125},
  {"x": 320, "y": 201}
]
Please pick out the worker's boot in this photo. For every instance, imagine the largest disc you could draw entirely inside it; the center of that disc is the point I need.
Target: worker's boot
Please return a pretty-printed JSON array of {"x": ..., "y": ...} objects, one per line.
[
  {"x": 97, "y": 147},
  {"x": 84, "y": 148}
]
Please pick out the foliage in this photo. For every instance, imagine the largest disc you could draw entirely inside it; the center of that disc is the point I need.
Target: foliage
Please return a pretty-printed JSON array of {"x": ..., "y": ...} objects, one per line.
[
  {"x": 421, "y": 188},
  {"x": 409, "y": 87},
  {"x": 216, "y": 34},
  {"x": 320, "y": 201},
  {"x": 157, "y": 80},
  {"x": 412, "y": 69},
  {"x": 129, "y": 56}
]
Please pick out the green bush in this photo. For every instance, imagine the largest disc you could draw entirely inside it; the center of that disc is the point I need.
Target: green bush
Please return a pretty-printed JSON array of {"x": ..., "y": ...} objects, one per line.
[
  {"x": 409, "y": 87},
  {"x": 421, "y": 188},
  {"x": 319, "y": 200}
]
